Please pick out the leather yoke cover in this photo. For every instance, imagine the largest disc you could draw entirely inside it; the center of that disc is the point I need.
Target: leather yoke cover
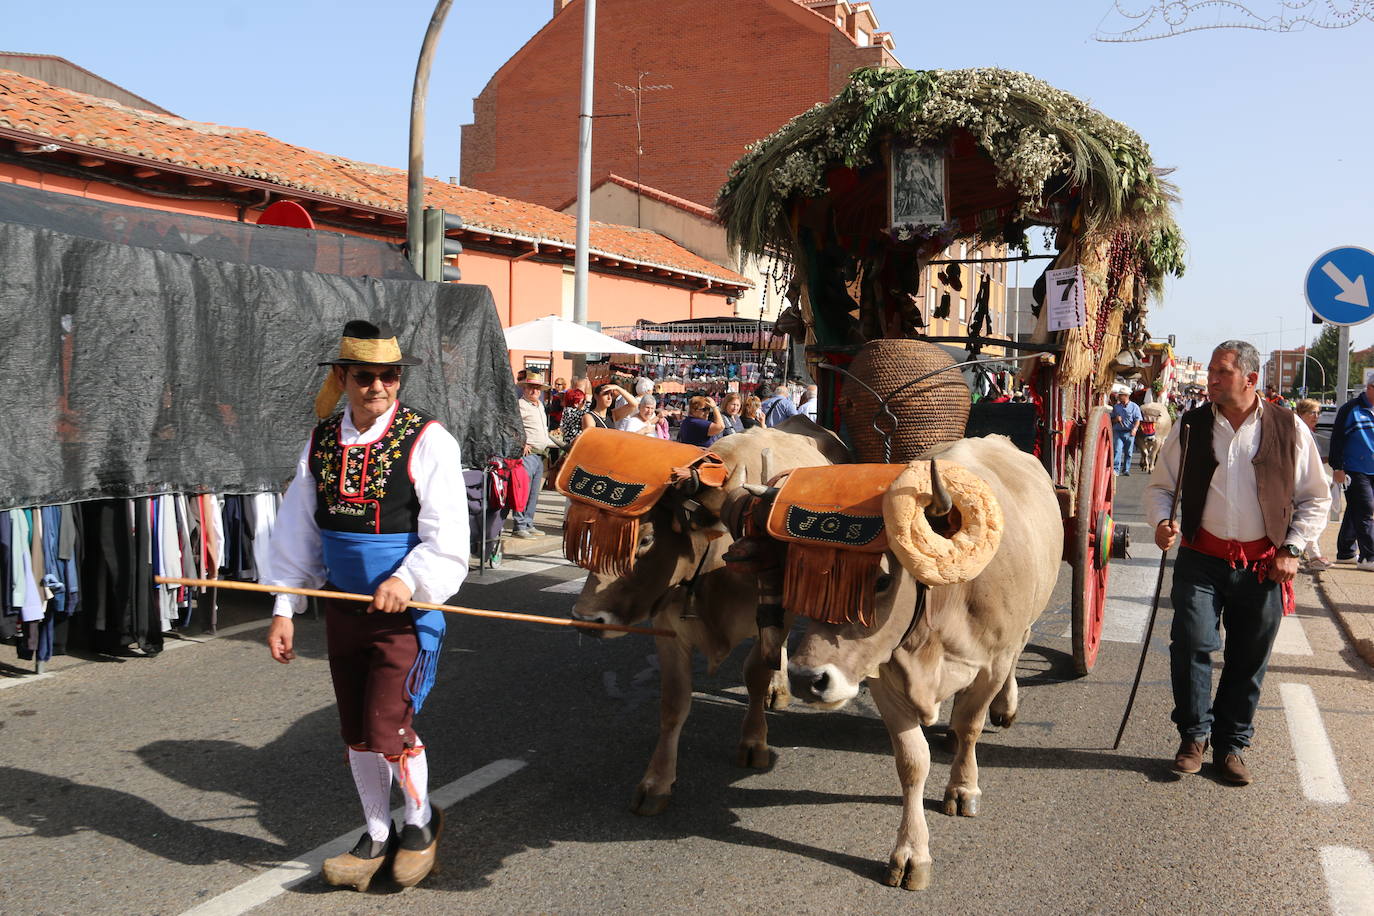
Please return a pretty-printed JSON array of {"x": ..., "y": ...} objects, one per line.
[
  {"x": 622, "y": 473},
  {"x": 838, "y": 506}
]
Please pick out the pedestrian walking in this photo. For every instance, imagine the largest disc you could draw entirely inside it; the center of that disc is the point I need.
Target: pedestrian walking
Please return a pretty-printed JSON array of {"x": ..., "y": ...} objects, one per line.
[
  {"x": 1125, "y": 423},
  {"x": 377, "y": 507},
  {"x": 537, "y": 444},
  {"x": 1352, "y": 465},
  {"x": 1308, "y": 412},
  {"x": 1251, "y": 496}
]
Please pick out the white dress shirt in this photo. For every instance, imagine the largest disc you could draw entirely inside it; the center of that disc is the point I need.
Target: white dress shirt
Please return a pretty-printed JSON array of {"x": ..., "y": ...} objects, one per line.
[
  {"x": 434, "y": 568},
  {"x": 1232, "y": 509}
]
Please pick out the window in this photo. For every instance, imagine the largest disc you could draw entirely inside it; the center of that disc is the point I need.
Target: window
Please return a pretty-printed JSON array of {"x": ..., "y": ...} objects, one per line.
[
  {"x": 932, "y": 299},
  {"x": 862, "y": 38},
  {"x": 963, "y": 309},
  {"x": 963, "y": 251}
]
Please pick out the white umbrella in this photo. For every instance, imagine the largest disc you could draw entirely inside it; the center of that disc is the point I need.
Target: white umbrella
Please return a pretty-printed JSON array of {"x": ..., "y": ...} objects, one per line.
[{"x": 553, "y": 333}]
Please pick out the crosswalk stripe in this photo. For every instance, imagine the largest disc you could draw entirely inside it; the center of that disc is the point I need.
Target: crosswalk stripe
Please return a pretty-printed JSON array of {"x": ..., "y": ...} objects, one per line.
[
  {"x": 571, "y": 587},
  {"x": 515, "y": 567},
  {"x": 1349, "y": 880},
  {"x": 1291, "y": 639},
  {"x": 1317, "y": 770},
  {"x": 1124, "y": 618}
]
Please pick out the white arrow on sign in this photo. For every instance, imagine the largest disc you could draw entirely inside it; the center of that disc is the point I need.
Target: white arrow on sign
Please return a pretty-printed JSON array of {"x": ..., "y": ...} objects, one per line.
[{"x": 1352, "y": 291}]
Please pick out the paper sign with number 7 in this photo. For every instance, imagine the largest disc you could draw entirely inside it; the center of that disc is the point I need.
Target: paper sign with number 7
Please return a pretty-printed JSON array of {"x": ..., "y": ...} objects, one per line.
[{"x": 1064, "y": 296}]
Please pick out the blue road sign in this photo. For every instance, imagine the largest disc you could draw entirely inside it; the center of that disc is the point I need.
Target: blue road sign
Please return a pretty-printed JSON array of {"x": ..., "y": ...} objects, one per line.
[{"x": 1338, "y": 283}]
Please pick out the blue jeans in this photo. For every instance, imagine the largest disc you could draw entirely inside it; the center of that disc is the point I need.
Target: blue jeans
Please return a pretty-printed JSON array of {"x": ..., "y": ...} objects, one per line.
[
  {"x": 534, "y": 466},
  {"x": 1357, "y": 524},
  {"x": 1123, "y": 447},
  {"x": 1206, "y": 593}
]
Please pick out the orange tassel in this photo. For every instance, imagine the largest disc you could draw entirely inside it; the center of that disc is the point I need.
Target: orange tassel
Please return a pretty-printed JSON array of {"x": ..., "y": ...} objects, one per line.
[
  {"x": 599, "y": 541},
  {"x": 830, "y": 585}
]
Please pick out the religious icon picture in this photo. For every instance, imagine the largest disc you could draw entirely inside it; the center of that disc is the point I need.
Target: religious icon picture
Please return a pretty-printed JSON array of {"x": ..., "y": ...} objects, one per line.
[{"x": 918, "y": 187}]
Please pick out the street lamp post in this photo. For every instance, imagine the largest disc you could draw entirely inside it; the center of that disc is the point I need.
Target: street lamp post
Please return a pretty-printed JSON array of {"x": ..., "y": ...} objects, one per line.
[{"x": 415, "y": 179}]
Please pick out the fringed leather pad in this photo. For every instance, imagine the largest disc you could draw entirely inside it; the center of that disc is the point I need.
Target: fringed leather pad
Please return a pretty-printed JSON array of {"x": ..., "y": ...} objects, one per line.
[
  {"x": 611, "y": 478},
  {"x": 832, "y": 519}
]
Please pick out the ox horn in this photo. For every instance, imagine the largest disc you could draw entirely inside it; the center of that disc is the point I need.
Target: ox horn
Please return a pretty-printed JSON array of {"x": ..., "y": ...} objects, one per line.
[
  {"x": 737, "y": 479},
  {"x": 758, "y": 489},
  {"x": 940, "y": 501}
]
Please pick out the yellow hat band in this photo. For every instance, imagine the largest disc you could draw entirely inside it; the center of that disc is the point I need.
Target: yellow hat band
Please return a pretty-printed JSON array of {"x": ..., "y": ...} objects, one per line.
[{"x": 370, "y": 350}]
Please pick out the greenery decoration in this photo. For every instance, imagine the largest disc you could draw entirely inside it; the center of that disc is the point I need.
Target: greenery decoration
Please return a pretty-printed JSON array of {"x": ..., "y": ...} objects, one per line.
[{"x": 1047, "y": 145}]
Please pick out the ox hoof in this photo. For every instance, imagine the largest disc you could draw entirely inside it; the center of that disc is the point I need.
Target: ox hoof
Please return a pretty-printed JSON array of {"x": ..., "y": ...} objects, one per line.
[
  {"x": 911, "y": 876},
  {"x": 649, "y": 804},
  {"x": 1002, "y": 719},
  {"x": 754, "y": 756},
  {"x": 960, "y": 802},
  {"x": 778, "y": 698}
]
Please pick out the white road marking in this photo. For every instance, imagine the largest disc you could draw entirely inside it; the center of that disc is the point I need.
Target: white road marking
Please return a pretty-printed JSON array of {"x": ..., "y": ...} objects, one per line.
[
  {"x": 19, "y": 681},
  {"x": 1292, "y": 639},
  {"x": 1349, "y": 881},
  {"x": 264, "y": 887},
  {"x": 179, "y": 642},
  {"x": 515, "y": 567},
  {"x": 1317, "y": 770},
  {"x": 571, "y": 587}
]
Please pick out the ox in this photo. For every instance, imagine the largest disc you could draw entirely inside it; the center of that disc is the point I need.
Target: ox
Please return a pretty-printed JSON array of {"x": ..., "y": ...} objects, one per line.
[
  {"x": 964, "y": 644},
  {"x": 681, "y": 579},
  {"x": 1154, "y": 417}
]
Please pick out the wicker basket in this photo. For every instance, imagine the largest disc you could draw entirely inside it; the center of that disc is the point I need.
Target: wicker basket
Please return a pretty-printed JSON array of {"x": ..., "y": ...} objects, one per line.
[{"x": 929, "y": 412}]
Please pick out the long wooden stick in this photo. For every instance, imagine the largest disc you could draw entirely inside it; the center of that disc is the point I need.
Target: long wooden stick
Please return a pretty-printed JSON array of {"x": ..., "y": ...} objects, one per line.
[
  {"x": 424, "y": 605},
  {"x": 1159, "y": 588}
]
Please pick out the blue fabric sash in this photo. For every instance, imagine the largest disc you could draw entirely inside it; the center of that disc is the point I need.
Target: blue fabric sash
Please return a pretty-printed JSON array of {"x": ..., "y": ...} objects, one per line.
[{"x": 360, "y": 563}]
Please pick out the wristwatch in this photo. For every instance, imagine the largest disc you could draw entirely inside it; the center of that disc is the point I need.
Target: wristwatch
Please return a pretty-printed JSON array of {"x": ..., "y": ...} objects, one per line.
[{"x": 1293, "y": 550}]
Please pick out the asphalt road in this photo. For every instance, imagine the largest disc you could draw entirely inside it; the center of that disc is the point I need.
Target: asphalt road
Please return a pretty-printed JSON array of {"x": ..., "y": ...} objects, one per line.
[{"x": 162, "y": 785}]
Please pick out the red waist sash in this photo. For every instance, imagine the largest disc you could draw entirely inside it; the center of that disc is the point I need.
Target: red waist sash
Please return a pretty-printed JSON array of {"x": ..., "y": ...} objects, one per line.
[{"x": 1257, "y": 555}]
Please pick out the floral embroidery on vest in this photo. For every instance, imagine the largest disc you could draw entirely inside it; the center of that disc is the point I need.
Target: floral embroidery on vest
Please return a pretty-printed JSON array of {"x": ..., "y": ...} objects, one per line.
[{"x": 352, "y": 479}]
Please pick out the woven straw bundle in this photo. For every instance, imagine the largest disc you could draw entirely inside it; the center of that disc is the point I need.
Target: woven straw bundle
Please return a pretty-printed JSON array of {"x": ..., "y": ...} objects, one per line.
[
  {"x": 929, "y": 412},
  {"x": 953, "y": 557}
]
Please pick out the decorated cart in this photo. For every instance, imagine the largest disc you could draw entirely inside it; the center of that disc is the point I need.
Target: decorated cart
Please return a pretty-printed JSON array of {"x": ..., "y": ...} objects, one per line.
[{"x": 860, "y": 201}]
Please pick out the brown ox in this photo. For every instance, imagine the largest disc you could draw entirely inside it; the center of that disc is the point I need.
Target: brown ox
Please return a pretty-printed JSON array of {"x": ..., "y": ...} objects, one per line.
[
  {"x": 673, "y": 560},
  {"x": 964, "y": 645}
]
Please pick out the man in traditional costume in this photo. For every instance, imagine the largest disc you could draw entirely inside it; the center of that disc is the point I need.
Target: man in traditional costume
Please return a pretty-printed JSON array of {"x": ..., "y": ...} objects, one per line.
[
  {"x": 377, "y": 507},
  {"x": 1252, "y": 495}
]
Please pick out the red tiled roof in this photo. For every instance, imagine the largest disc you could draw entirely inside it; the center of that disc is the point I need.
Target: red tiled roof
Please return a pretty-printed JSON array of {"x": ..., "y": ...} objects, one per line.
[
  {"x": 43, "y": 111},
  {"x": 672, "y": 200}
]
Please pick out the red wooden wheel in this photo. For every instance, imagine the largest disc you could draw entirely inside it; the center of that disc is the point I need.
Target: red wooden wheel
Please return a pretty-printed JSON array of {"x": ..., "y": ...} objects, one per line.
[{"x": 1092, "y": 537}]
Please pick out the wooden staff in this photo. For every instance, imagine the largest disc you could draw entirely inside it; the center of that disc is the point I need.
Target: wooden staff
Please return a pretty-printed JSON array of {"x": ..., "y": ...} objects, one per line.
[
  {"x": 1159, "y": 588},
  {"x": 423, "y": 605}
]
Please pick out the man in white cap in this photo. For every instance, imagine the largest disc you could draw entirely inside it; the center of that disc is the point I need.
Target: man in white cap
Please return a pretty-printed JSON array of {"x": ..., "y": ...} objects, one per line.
[
  {"x": 377, "y": 507},
  {"x": 537, "y": 443}
]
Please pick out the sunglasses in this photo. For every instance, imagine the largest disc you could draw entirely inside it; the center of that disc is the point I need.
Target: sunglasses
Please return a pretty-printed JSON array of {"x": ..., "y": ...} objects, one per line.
[{"x": 364, "y": 379}]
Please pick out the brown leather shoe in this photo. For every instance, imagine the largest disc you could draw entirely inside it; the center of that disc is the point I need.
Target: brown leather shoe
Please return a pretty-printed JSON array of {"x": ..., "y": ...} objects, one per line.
[
  {"x": 1234, "y": 770},
  {"x": 415, "y": 858},
  {"x": 1188, "y": 760},
  {"x": 357, "y": 867}
]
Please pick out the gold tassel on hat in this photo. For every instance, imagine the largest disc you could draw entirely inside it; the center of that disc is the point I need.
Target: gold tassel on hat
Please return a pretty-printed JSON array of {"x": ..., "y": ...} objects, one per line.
[{"x": 330, "y": 391}]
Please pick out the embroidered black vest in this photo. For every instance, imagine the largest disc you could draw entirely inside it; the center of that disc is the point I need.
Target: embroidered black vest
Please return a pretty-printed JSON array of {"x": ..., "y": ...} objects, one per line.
[
  {"x": 1275, "y": 464},
  {"x": 367, "y": 489}
]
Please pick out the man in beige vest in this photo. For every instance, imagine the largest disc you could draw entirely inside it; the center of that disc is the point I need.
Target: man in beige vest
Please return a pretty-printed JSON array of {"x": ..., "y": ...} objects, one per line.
[{"x": 1252, "y": 495}]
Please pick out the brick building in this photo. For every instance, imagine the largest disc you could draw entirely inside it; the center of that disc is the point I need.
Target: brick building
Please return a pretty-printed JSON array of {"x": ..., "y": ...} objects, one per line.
[
  {"x": 73, "y": 142},
  {"x": 738, "y": 70}
]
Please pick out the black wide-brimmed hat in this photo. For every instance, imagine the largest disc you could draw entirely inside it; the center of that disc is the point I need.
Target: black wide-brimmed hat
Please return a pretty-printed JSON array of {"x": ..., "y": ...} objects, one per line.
[{"x": 365, "y": 343}]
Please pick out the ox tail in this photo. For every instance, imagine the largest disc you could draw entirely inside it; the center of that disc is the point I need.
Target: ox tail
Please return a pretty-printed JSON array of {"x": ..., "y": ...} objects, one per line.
[{"x": 599, "y": 541}]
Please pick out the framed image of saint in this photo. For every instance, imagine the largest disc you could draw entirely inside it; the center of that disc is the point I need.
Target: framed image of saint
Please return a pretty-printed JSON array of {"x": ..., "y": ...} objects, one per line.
[{"x": 917, "y": 187}]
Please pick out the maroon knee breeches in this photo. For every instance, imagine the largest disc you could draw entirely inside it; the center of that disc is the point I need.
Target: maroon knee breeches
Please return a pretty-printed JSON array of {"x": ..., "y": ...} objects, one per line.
[{"x": 370, "y": 657}]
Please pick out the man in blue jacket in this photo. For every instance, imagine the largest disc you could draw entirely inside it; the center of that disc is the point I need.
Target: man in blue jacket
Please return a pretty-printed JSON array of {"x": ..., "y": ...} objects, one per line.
[
  {"x": 1125, "y": 421},
  {"x": 1352, "y": 462}
]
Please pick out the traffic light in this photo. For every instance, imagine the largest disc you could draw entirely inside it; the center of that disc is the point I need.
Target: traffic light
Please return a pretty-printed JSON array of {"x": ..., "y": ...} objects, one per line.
[{"x": 438, "y": 247}]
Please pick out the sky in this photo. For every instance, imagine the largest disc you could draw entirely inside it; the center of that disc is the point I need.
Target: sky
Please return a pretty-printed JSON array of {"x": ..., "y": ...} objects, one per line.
[{"x": 1269, "y": 132}]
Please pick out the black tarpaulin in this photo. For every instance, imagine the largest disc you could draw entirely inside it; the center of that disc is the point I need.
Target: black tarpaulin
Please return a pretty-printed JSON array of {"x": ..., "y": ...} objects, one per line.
[{"x": 127, "y": 371}]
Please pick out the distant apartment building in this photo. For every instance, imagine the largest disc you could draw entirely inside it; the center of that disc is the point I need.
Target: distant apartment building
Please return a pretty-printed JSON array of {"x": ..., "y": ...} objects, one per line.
[{"x": 1283, "y": 369}]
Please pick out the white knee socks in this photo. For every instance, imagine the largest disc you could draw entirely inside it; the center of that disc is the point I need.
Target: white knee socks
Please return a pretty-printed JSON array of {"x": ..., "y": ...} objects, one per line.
[
  {"x": 412, "y": 772},
  {"x": 372, "y": 776}
]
